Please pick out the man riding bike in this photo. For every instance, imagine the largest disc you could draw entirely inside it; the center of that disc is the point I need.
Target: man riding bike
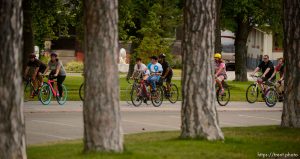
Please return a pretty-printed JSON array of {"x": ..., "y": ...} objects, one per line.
[
  {"x": 266, "y": 67},
  {"x": 167, "y": 70},
  {"x": 39, "y": 67},
  {"x": 156, "y": 70},
  {"x": 220, "y": 71}
]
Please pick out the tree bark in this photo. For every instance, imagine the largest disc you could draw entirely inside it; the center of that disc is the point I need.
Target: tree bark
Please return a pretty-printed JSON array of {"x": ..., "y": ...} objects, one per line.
[
  {"x": 291, "y": 105},
  {"x": 218, "y": 45},
  {"x": 102, "y": 126},
  {"x": 12, "y": 126},
  {"x": 199, "y": 116},
  {"x": 240, "y": 44},
  {"x": 27, "y": 31}
]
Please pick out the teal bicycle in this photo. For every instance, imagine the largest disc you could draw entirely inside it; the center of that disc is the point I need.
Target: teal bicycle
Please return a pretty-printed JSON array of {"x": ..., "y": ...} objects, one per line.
[{"x": 47, "y": 91}]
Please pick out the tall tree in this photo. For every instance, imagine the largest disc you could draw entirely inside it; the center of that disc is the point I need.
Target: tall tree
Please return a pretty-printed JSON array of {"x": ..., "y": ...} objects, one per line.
[
  {"x": 218, "y": 45},
  {"x": 240, "y": 16},
  {"x": 291, "y": 104},
  {"x": 12, "y": 128},
  {"x": 101, "y": 112},
  {"x": 199, "y": 116},
  {"x": 27, "y": 30}
]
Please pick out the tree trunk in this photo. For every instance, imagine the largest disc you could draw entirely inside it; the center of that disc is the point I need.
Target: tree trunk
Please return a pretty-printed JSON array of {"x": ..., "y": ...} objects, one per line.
[
  {"x": 12, "y": 126},
  {"x": 27, "y": 31},
  {"x": 240, "y": 44},
  {"x": 198, "y": 114},
  {"x": 133, "y": 55},
  {"x": 218, "y": 45},
  {"x": 102, "y": 124},
  {"x": 291, "y": 105}
]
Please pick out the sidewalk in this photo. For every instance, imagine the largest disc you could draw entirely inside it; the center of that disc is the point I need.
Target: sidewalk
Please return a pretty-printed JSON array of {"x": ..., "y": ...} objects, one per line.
[{"x": 76, "y": 106}]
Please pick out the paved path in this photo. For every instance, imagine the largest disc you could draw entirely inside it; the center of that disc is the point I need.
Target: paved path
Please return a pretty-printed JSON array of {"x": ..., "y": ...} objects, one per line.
[{"x": 55, "y": 122}]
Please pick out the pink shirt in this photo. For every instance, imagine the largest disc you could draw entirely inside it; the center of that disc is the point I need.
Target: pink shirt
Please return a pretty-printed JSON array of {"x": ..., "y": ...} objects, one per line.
[{"x": 219, "y": 65}]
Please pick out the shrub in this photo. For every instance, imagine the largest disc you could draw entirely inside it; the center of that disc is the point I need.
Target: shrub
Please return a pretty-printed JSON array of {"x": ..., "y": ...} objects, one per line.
[{"x": 74, "y": 66}]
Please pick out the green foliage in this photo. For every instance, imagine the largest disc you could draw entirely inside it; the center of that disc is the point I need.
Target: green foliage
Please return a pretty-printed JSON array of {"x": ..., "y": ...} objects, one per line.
[
  {"x": 44, "y": 59},
  {"x": 74, "y": 66},
  {"x": 53, "y": 18}
]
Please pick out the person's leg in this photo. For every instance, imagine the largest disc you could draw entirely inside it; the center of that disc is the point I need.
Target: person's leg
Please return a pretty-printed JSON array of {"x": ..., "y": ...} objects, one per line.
[
  {"x": 168, "y": 82},
  {"x": 154, "y": 80},
  {"x": 219, "y": 82},
  {"x": 60, "y": 80}
]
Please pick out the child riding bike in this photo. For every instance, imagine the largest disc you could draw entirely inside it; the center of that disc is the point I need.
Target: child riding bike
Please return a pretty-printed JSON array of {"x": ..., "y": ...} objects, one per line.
[{"x": 220, "y": 71}]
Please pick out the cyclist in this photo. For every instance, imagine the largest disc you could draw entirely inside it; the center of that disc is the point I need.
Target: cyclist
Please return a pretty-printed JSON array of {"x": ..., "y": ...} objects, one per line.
[
  {"x": 39, "y": 67},
  {"x": 167, "y": 70},
  {"x": 220, "y": 71},
  {"x": 279, "y": 68},
  {"x": 155, "y": 69},
  {"x": 139, "y": 68},
  {"x": 57, "y": 71},
  {"x": 266, "y": 67}
]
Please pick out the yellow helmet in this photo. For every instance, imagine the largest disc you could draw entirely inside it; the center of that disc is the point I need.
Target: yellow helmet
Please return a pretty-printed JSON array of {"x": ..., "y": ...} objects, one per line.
[{"x": 218, "y": 55}]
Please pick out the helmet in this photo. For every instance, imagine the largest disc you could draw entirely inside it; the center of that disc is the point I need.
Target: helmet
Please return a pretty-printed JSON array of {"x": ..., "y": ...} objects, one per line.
[
  {"x": 53, "y": 54},
  {"x": 162, "y": 56},
  {"x": 32, "y": 55},
  {"x": 218, "y": 55}
]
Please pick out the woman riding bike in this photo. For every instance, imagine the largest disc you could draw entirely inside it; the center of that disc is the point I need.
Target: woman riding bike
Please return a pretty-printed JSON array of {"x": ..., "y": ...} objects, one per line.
[
  {"x": 57, "y": 71},
  {"x": 220, "y": 71}
]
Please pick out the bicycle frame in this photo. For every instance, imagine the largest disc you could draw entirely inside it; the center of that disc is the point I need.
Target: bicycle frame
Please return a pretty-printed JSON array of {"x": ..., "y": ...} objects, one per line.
[{"x": 55, "y": 93}]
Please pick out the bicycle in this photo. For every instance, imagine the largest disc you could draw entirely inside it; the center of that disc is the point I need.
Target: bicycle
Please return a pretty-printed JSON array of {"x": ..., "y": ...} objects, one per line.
[
  {"x": 223, "y": 98},
  {"x": 172, "y": 95},
  {"x": 141, "y": 93},
  {"x": 29, "y": 91},
  {"x": 47, "y": 91},
  {"x": 253, "y": 91},
  {"x": 273, "y": 95}
]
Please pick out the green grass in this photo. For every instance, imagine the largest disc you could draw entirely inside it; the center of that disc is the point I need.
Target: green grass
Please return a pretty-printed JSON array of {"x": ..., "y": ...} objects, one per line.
[
  {"x": 237, "y": 89},
  {"x": 239, "y": 143}
]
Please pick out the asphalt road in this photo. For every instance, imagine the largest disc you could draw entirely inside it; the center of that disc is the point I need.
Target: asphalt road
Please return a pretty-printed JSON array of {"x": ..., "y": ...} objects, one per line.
[{"x": 54, "y": 122}]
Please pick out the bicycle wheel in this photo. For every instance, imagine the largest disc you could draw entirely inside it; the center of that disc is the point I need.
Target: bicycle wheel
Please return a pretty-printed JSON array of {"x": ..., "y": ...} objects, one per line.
[
  {"x": 127, "y": 94},
  {"x": 81, "y": 92},
  {"x": 45, "y": 94},
  {"x": 252, "y": 93},
  {"x": 158, "y": 97},
  {"x": 271, "y": 97},
  {"x": 136, "y": 97},
  {"x": 223, "y": 98},
  {"x": 173, "y": 94},
  {"x": 62, "y": 98}
]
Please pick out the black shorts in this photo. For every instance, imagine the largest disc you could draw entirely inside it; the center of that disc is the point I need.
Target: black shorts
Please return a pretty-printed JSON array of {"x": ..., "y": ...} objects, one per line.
[{"x": 169, "y": 78}]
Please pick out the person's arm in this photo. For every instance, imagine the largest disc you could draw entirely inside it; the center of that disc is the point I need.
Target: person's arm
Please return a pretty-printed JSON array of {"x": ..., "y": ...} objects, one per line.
[
  {"x": 219, "y": 71},
  {"x": 266, "y": 72},
  {"x": 46, "y": 70},
  {"x": 57, "y": 69},
  {"x": 35, "y": 73},
  {"x": 256, "y": 69},
  {"x": 26, "y": 71},
  {"x": 274, "y": 73}
]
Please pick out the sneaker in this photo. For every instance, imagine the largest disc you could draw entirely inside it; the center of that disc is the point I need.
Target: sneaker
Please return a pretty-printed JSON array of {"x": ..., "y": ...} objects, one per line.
[{"x": 32, "y": 95}]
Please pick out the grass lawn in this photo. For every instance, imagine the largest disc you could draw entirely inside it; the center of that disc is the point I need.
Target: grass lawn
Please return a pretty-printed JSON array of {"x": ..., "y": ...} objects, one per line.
[
  {"x": 239, "y": 143},
  {"x": 237, "y": 89}
]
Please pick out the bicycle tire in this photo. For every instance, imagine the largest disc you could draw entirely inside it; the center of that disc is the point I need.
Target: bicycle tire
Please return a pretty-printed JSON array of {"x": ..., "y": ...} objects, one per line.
[
  {"x": 252, "y": 92},
  {"x": 63, "y": 98},
  {"x": 45, "y": 91},
  {"x": 136, "y": 97},
  {"x": 158, "y": 98},
  {"x": 127, "y": 94},
  {"x": 224, "y": 98},
  {"x": 271, "y": 97},
  {"x": 81, "y": 92},
  {"x": 174, "y": 94}
]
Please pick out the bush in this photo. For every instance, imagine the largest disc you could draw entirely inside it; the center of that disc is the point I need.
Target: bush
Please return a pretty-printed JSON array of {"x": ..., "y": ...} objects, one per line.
[{"x": 74, "y": 66}]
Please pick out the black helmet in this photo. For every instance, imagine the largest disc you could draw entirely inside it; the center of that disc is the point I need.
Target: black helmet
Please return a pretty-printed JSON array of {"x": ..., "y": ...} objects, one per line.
[
  {"x": 162, "y": 56},
  {"x": 53, "y": 54}
]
